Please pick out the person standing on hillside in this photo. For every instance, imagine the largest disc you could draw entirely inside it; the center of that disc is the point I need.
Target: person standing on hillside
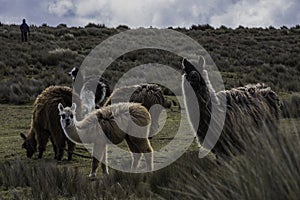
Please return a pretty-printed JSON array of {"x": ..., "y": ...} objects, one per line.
[{"x": 24, "y": 31}]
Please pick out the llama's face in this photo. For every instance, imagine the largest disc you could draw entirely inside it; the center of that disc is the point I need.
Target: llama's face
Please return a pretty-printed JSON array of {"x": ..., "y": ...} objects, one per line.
[
  {"x": 67, "y": 115},
  {"x": 73, "y": 73},
  {"x": 29, "y": 144},
  {"x": 190, "y": 73}
]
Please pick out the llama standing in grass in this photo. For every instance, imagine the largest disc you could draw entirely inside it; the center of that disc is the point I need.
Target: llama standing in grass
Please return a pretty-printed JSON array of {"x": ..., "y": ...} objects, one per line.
[
  {"x": 101, "y": 127},
  {"x": 149, "y": 95},
  {"x": 249, "y": 110},
  {"x": 45, "y": 122}
]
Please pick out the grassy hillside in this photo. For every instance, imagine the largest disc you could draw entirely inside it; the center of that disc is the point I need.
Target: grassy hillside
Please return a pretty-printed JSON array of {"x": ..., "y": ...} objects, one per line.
[
  {"x": 243, "y": 55},
  {"x": 269, "y": 169}
]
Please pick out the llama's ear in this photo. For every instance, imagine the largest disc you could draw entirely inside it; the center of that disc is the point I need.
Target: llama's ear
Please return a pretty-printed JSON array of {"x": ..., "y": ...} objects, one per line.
[
  {"x": 187, "y": 66},
  {"x": 23, "y": 136},
  {"x": 185, "y": 62},
  {"x": 73, "y": 107},
  {"x": 60, "y": 107},
  {"x": 201, "y": 62}
]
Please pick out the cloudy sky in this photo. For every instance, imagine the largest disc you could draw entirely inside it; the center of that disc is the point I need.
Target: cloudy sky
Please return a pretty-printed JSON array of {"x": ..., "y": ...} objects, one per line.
[{"x": 156, "y": 13}]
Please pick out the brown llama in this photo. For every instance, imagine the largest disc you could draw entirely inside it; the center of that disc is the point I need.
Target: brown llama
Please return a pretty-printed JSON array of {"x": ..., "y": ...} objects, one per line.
[
  {"x": 45, "y": 123},
  {"x": 100, "y": 127},
  {"x": 148, "y": 95},
  {"x": 250, "y": 110}
]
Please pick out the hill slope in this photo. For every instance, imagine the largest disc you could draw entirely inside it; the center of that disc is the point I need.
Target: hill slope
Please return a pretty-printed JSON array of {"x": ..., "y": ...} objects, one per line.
[{"x": 243, "y": 55}]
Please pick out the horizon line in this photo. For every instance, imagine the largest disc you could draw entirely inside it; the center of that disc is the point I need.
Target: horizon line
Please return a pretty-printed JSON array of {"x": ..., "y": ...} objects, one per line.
[{"x": 191, "y": 27}]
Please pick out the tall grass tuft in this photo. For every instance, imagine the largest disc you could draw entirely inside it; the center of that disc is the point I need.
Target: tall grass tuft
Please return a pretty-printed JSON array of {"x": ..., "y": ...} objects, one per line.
[
  {"x": 51, "y": 181},
  {"x": 270, "y": 169}
]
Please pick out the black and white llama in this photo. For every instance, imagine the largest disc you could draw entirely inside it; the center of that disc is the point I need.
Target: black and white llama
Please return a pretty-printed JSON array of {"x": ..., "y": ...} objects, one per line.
[
  {"x": 250, "y": 110},
  {"x": 85, "y": 87}
]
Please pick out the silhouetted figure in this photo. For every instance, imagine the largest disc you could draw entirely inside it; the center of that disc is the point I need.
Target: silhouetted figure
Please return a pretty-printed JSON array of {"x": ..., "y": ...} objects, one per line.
[{"x": 24, "y": 31}]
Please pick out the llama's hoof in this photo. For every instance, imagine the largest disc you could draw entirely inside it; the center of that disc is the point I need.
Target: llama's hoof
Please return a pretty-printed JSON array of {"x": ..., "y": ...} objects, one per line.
[{"x": 92, "y": 175}]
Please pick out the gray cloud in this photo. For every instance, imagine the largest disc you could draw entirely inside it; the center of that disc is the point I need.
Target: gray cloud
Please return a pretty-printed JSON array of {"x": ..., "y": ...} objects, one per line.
[
  {"x": 157, "y": 13},
  {"x": 62, "y": 8},
  {"x": 259, "y": 13}
]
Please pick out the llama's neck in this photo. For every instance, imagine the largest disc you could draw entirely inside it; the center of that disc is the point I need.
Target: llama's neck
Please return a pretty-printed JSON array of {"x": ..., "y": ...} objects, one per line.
[
  {"x": 203, "y": 112},
  {"x": 72, "y": 134},
  {"x": 81, "y": 133},
  {"x": 202, "y": 92},
  {"x": 205, "y": 101},
  {"x": 31, "y": 137}
]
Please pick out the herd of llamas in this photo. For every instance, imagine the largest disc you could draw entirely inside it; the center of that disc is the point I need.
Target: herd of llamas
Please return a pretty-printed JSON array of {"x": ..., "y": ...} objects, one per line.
[{"x": 84, "y": 116}]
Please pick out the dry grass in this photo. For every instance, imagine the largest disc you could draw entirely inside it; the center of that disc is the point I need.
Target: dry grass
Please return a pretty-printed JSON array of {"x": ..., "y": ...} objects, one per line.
[{"x": 270, "y": 170}]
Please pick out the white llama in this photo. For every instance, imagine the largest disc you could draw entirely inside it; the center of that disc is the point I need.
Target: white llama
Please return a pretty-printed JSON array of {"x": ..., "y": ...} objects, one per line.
[{"x": 100, "y": 127}]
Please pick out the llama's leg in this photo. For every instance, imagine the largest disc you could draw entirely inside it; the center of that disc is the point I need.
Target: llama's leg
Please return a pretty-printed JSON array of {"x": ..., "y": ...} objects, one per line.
[
  {"x": 143, "y": 145},
  {"x": 98, "y": 154},
  {"x": 136, "y": 156},
  {"x": 104, "y": 165},
  {"x": 42, "y": 139},
  {"x": 149, "y": 160},
  {"x": 136, "y": 160},
  {"x": 61, "y": 145},
  {"x": 155, "y": 112},
  {"x": 153, "y": 128},
  {"x": 95, "y": 164},
  {"x": 147, "y": 150},
  {"x": 136, "y": 153},
  {"x": 71, "y": 147},
  {"x": 54, "y": 148}
]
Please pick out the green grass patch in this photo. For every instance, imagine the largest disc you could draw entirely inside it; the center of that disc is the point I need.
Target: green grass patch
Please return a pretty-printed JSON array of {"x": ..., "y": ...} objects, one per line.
[{"x": 269, "y": 171}]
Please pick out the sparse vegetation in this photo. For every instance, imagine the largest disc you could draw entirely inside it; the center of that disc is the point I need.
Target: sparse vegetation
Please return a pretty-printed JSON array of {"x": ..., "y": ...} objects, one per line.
[
  {"x": 268, "y": 170},
  {"x": 250, "y": 55}
]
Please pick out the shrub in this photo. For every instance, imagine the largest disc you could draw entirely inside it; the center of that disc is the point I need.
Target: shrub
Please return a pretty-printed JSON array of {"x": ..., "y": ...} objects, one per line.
[
  {"x": 20, "y": 90},
  {"x": 123, "y": 27},
  {"x": 202, "y": 27},
  {"x": 67, "y": 36},
  {"x": 61, "y": 26},
  {"x": 280, "y": 68},
  {"x": 222, "y": 27},
  {"x": 53, "y": 57},
  {"x": 90, "y": 25}
]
